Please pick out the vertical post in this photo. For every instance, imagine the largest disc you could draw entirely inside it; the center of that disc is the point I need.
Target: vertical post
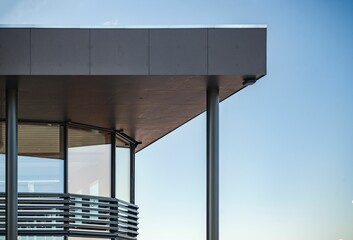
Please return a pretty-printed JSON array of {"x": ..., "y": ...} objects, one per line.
[
  {"x": 64, "y": 135},
  {"x": 113, "y": 180},
  {"x": 132, "y": 173},
  {"x": 11, "y": 160},
  {"x": 212, "y": 163},
  {"x": 113, "y": 166},
  {"x": 65, "y": 143}
]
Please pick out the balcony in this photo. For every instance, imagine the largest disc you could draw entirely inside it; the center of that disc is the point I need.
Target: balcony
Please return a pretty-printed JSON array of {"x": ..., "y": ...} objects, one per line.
[{"x": 60, "y": 214}]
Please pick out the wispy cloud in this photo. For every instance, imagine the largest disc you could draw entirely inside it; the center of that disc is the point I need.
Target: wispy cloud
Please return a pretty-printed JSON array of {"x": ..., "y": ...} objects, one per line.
[{"x": 113, "y": 22}]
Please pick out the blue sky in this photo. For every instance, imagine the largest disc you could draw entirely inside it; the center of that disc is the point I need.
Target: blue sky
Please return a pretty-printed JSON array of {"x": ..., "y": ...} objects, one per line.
[{"x": 286, "y": 155}]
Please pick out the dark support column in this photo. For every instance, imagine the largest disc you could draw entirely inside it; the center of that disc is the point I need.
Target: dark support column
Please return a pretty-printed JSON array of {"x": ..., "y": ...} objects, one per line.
[
  {"x": 65, "y": 140},
  {"x": 11, "y": 160},
  {"x": 113, "y": 167},
  {"x": 132, "y": 173},
  {"x": 212, "y": 163},
  {"x": 65, "y": 151},
  {"x": 113, "y": 177}
]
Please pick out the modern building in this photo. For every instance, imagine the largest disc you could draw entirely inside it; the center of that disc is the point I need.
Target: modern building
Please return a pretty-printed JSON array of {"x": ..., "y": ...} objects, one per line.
[{"x": 77, "y": 103}]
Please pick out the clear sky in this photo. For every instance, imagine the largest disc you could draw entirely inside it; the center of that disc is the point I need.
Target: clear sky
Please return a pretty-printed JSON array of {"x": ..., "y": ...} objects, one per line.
[{"x": 286, "y": 150}]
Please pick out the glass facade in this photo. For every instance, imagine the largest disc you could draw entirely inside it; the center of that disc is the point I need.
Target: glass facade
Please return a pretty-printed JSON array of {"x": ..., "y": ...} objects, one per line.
[
  {"x": 49, "y": 152},
  {"x": 89, "y": 157},
  {"x": 40, "y": 160},
  {"x": 122, "y": 170},
  {"x": 36, "y": 174},
  {"x": 2, "y": 172},
  {"x": 2, "y": 156},
  {"x": 40, "y": 175}
]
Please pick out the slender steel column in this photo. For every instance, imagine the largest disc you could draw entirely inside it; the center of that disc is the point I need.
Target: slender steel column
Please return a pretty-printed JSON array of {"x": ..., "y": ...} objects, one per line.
[
  {"x": 132, "y": 173},
  {"x": 66, "y": 153},
  {"x": 212, "y": 163},
  {"x": 65, "y": 142},
  {"x": 113, "y": 175},
  {"x": 11, "y": 160},
  {"x": 113, "y": 166}
]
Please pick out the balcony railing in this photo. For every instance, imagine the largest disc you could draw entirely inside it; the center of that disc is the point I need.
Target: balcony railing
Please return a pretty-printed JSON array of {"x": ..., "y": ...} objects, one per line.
[{"x": 57, "y": 214}]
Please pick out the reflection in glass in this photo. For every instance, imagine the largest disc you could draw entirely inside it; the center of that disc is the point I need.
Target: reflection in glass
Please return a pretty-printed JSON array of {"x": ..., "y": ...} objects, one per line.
[
  {"x": 40, "y": 140},
  {"x": 2, "y": 137},
  {"x": 40, "y": 160},
  {"x": 122, "y": 170},
  {"x": 89, "y": 157},
  {"x": 36, "y": 174},
  {"x": 2, "y": 172},
  {"x": 2, "y": 157},
  {"x": 40, "y": 175}
]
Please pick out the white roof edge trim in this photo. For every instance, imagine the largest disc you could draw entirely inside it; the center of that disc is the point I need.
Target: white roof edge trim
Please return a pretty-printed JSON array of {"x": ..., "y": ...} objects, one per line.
[{"x": 134, "y": 26}]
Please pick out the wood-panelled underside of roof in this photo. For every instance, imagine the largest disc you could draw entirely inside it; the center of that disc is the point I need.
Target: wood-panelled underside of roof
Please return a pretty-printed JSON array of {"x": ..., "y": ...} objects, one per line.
[{"x": 145, "y": 107}]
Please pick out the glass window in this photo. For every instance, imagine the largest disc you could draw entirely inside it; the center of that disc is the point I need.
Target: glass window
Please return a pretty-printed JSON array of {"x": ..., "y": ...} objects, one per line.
[
  {"x": 40, "y": 174},
  {"x": 2, "y": 137},
  {"x": 2, "y": 172},
  {"x": 89, "y": 158},
  {"x": 122, "y": 170},
  {"x": 40, "y": 140},
  {"x": 2, "y": 156},
  {"x": 40, "y": 160}
]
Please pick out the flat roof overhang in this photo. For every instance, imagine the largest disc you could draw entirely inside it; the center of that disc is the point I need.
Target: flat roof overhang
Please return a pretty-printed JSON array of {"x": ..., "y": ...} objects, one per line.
[{"x": 146, "y": 81}]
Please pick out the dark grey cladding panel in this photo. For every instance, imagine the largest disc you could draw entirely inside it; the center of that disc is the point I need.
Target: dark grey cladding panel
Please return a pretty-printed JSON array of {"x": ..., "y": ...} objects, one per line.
[
  {"x": 237, "y": 51},
  {"x": 178, "y": 51},
  {"x": 188, "y": 51},
  {"x": 14, "y": 51},
  {"x": 119, "y": 51},
  {"x": 60, "y": 51}
]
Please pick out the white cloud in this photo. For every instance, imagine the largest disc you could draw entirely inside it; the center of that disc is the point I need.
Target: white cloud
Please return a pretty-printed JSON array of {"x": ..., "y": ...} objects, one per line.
[{"x": 113, "y": 22}]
